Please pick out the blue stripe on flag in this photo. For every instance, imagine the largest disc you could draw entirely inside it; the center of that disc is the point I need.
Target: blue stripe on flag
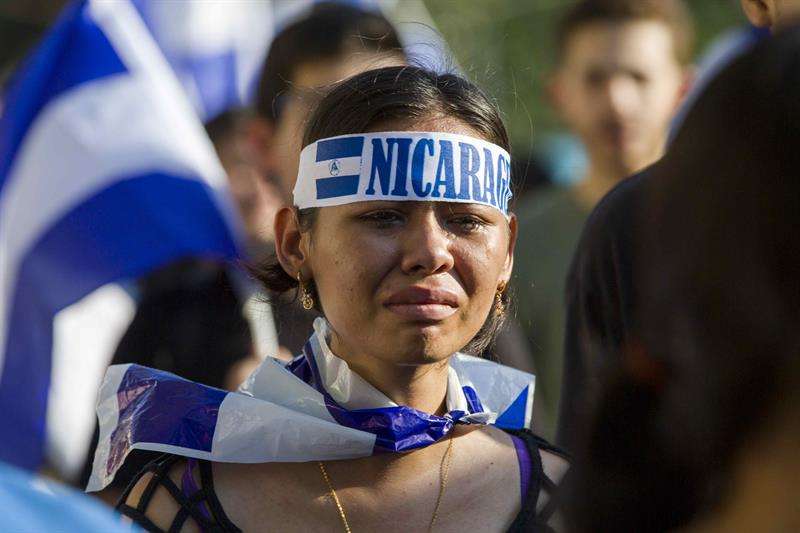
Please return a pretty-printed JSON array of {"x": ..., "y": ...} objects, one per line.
[
  {"x": 514, "y": 416},
  {"x": 473, "y": 402},
  {"x": 215, "y": 78},
  {"x": 186, "y": 412},
  {"x": 124, "y": 231},
  {"x": 74, "y": 52},
  {"x": 339, "y": 148},
  {"x": 336, "y": 186}
]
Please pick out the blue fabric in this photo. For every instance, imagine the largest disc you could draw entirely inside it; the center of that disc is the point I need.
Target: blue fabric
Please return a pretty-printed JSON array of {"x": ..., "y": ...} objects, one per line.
[
  {"x": 215, "y": 80},
  {"x": 336, "y": 186},
  {"x": 136, "y": 224},
  {"x": 74, "y": 52},
  {"x": 32, "y": 503},
  {"x": 514, "y": 416},
  {"x": 212, "y": 77},
  {"x": 472, "y": 399},
  {"x": 339, "y": 148},
  {"x": 187, "y": 414},
  {"x": 285, "y": 412},
  {"x": 397, "y": 429},
  {"x": 124, "y": 231}
]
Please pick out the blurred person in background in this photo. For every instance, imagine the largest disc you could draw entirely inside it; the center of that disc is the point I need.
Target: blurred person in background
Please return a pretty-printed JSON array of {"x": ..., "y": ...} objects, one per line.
[
  {"x": 697, "y": 427},
  {"x": 622, "y": 70},
  {"x": 330, "y": 43},
  {"x": 600, "y": 294},
  {"x": 257, "y": 196}
]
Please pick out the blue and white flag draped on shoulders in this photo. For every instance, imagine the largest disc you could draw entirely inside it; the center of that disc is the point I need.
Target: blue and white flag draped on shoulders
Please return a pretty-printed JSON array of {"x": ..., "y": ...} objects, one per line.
[
  {"x": 312, "y": 408},
  {"x": 105, "y": 174}
]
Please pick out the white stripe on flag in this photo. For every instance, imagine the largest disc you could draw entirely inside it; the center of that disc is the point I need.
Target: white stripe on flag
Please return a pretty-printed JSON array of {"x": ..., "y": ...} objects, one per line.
[
  {"x": 345, "y": 166},
  {"x": 81, "y": 143},
  {"x": 282, "y": 433},
  {"x": 96, "y": 134},
  {"x": 107, "y": 410},
  {"x": 85, "y": 336}
]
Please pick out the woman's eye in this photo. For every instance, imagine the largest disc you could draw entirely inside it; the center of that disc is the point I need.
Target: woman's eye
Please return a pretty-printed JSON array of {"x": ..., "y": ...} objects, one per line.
[
  {"x": 382, "y": 219},
  {"x": 467, "y": 223}
]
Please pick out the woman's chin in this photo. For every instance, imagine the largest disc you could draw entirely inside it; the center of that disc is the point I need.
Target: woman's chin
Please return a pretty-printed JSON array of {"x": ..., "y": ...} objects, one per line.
[{"x": 424, "y": 344}]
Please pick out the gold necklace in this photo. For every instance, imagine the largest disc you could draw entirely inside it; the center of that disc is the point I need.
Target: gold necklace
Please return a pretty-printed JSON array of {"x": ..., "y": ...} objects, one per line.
[{"x": 444, "y": 469}]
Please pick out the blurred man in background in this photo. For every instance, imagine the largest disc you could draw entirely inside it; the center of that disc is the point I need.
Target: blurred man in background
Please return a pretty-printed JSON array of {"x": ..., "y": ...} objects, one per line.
[
  {"x": 697, "y": 424},
  {"x": 600, "y": 292},
  {"x": 622, "y": 70},
  {"x": 257, "y": 197},
  {"x": 331, "y": 44}
]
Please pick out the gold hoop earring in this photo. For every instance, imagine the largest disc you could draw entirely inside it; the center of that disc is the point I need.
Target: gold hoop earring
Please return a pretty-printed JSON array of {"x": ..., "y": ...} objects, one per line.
[
  {"x": 499, "y": 304},
  {"x": 305, "y": 295}
]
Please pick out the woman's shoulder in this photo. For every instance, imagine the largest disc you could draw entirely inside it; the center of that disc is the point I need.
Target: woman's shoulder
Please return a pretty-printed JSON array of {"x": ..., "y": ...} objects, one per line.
[
  {"x": 547, "y": 465},
  {"x": 174, "y": 493},
  {"x": 555, "y": 461},
  {"x": 148, "y": 500}
]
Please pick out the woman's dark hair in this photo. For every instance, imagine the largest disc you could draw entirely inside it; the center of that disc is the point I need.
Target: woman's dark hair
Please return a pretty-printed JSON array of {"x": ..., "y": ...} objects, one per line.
[
  {"x": 404, "y": 94},
  {"x": 718, "y": 352}
]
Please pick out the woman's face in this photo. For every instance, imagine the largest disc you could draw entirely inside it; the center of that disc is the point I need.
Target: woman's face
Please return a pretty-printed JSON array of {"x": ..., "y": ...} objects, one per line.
[{"x": 408, "y": 282}]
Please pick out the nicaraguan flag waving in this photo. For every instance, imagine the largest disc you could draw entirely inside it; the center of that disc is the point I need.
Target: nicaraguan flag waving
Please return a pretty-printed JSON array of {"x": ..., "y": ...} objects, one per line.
[{"x": 105, "y": 174}]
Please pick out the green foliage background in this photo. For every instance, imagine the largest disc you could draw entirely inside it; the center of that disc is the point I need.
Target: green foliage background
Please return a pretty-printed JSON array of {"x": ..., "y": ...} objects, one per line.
[{"x": 506, "y": 46}]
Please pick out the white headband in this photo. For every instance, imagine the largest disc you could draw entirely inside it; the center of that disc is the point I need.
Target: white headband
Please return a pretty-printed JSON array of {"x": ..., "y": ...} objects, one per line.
[{"x": 403, "y": 166}]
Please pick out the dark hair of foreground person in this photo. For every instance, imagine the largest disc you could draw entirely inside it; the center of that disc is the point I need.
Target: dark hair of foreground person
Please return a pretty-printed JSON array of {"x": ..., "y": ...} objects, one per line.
[{"x": 698, "y": 427}]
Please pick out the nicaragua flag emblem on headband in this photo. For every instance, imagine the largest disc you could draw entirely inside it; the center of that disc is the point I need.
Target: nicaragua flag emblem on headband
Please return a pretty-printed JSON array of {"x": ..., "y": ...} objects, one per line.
[{"x": 403, "y": 166}]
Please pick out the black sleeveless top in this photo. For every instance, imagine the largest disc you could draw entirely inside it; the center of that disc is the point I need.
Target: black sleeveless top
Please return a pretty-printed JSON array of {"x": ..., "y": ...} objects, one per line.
[{"x": 205, "y": 509}]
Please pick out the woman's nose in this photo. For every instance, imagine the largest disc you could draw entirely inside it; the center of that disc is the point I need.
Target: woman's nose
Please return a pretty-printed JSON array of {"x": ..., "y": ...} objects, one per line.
[{"x": 426, "y": 247}]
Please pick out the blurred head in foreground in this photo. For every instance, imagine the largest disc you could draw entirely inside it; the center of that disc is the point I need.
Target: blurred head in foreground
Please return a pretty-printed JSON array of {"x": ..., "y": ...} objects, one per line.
[
  {"x": 621, "y": 73},
  {"x": 333, "y": 42},
  {"x": 701, "y": 424}
]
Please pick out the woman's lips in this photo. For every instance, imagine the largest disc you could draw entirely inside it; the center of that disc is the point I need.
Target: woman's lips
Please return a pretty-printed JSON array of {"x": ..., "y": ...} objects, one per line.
[
  {"x": 422, "y": 311},
  {"x": 423, "y": 303}
]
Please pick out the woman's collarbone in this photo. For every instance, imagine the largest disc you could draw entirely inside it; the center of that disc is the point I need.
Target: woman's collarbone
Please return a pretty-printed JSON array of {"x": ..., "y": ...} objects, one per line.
[{"x": 392, "y": 493}]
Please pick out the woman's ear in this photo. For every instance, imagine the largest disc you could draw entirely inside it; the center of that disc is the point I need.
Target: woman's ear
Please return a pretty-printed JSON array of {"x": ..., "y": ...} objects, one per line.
[
  {"x": 508, "y": 267},
  {"x": 289, "y": 245},
  {"x": 761, "y": 13}
]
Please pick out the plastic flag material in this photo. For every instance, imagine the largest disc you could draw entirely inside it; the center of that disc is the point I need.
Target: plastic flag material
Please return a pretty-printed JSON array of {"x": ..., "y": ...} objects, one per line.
[{"x": 313, "y": 408}]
